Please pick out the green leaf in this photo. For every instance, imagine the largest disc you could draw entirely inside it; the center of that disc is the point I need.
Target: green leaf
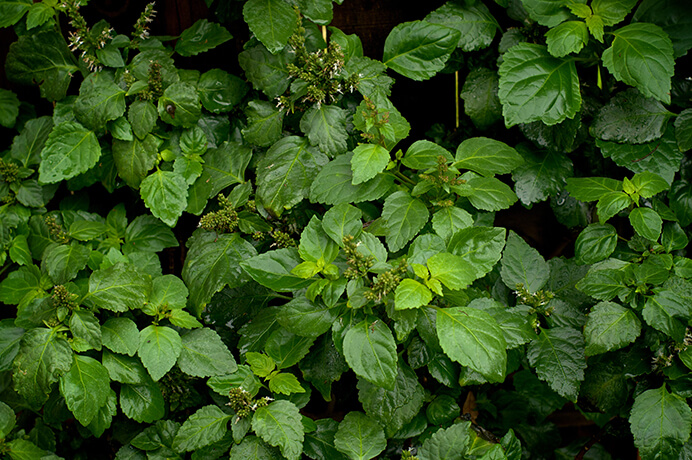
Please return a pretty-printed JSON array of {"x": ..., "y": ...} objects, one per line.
[
  {"x": 359, "y": 437},
  {"x": 490, "y": 194},
  {"x": 537, "y": 86},
  {"x": 419, "y": 49},
  {"x": 63, "y": 262},
  {"x": 646, "y": 223},
  {"x": 611, "y": 204},
  {"x": 631, "y": 118},
  {"x": 449, "y": 220},
  {"x": 200, "y": 37},
  {"x": 368, "y": 160},
  {"x": 273, "y": 270},
  {"x": 285, "y": 383},
  {"x": 612, "y": 12},
  {"x": 683, "y": 130},
  {"x": 610, "y": 327},
  {"x": 99, "y": 101},
  {"x": 12, "y": 11},
  {"x": 119, "y": 288},
  {"x": 27, "y": 146},
  {"x": 266, "y": 71},
  {"x": 285, "y": 173},
  {"x": 272, "y": 22},
  {"x": 641, "y": 55},
  {"x": 474, "y": 22},
  {"x": 203, "y": 354},
  {"x": 595, "y": 243},
  {"x": 86, "y": 331},
  {"x": 592, "y": 188},
  {"x": 447, "y": 444},
  {"x": 219, "y": 91},
  {"x": 487, "y": 156},
  {"x": 253, "y": 448},
  {"x": 319, "y": 444},
  {"x": 522, "y": 264},
  {"x": 473, "y": 338},
  {"x": 159, "y": 348},
  {"x": 480, "y": 247},
  {"x": 305, "y": 318},
  {"x": 7, "y": 420},
  {"x": 569, "y": 37},
  {"x": 370, "y": 350},
  {"x": 180, "y": 105},
  {"x": 334, "y": 184},
  {"x": 278, "y": 423},
  {"x": 43, "y": 357},
  {"x": 603, "y": 284},
  {"x": 142, "y": 403},
  {"x": 165, "y": 194},
  {"x": 479, "y": 93},
  {"x": 224, "y": 166},
  {"x": 286, "y": 348},
  {"x": 206, "y": 426},
  {"x": 168, "y": 291},
  {"x": 70, "y": 150},
  {"x": 557, "y": 354},
  {"x": 9, "y": 343},
  {"x": 315, "y": 244},
  {"x": 135, "y": 158},
  {"x": 660, "y": 423},
  {"x": 265, "y": 123},
  {"x": 124, "y": 369},
  {"x": 680, "y": 199},
  {"x": 451, "y": 270},
  {"x": 142, "y": 116},
  {"x": 548, "y": 12},
  {"x": 85, "y": 388},
  {"x": 665, "y": 311},
  {"x": 325, "y": 126},
  {"x": 20, "y": 449},
  {"x": 393, "y": 408},
  {"x": 9, "y": 108},
  {"x": 342, "y": 220},
  {"x": 149, "y": 234},
  {"x": 85, "y": 230},
  {"x": 425, "y": 155},
  {"x": 405, "y": 216},
  {"x": 120, "y": 335},
  {"x": 541, "y": 176},
  {"x": 648, "y": 184},
  {"x": 42, "y": 59},
  {"x": 411, "y": 294}
]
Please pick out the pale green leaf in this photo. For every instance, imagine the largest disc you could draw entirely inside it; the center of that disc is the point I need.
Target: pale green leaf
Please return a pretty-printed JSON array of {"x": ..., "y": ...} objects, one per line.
[
  {"x": 159, "y": 348},
  {"x": 411, "y": 294}
]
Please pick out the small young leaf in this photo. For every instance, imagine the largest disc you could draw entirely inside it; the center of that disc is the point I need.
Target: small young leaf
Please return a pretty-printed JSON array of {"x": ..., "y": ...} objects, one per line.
[{"x": 569, "y": 37}]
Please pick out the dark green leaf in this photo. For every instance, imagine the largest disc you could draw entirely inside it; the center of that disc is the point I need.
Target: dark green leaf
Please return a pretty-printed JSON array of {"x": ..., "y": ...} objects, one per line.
[
  {"x": 120, "y": 335},
  {"x": 646, "y": 223},
  {"x": 660, "y": 423},
  {"x": 124, "y": 369},
  {"x": 541, "y": 176},
  {"x": 119, "y": 288},
  {"x": 206, "y": 426},
  {"x": 27, "y": 146},
  {"x": 142, "y": 403},
  {"x": 490, "y": 194},
  {"x": 604, "y": 284},
  {"x": 557, "y": 354},
  {"x": 569, "y": 37},
  {"x": 319, "y": 444},
  {"x": 43, "y": 59},
  {"x": 419, "y": 49},
  {"x": 70, "y": 150},
  {"x": 272, "y": 22},
  {"x": 12, "y": 11},
  {"x": 9, "y": 108},
  {"x": 325, "y": 126},
  {"x": 487, "y": 156},
  {"x": 547, "y": 12},
  {"x": 359, "y": 437},
  {"x": 180, "y": 105},
  {"x": 522, "y": 264},
  {"x": 273, "y": 270},
  {"x": 323, "y": 365},
  {"x": 305, "y": 318},
  {"x": 99, "y": 100},
  {"x": 266, "y": 71},
  {"x": 610, "y": 327},
  {"x": 449, "y": 220},
  {"x": 286, "y": 348},
  {"x": 265, "y": 123},
  {"x": 253, "y": 448},
  {"x": 142, "y": 116},
  {"x": 370, "y": 350},
  {"x": 85, "y": 388},
  {"x": 147, "y": 233},
  {"x": 134, "y": 158},
  {"x": 665, "y": 311},
  {"x": 669, "y": 15},
  {"x": 480, "y": 247},
  {"x": 220, "y": 91},
  {"x": 63, "y": 262},
  {"x": 473, "y": 21},
  {"x": 405, "y": 216},
  {"x": 595, "y": 243},
  {"x": 642, "y": 56},
  {"x": 479, "y": 93},
  {"x": 203, "y": 354},
  {"x": 537, "y": 86},
  {"x": 200, "y": 37},
  {"x": 447, "y": 444},
  {"x": 611, "y": 204},
  {"x": 315, "y": 244},
  {"x": 278, "y": 423}
]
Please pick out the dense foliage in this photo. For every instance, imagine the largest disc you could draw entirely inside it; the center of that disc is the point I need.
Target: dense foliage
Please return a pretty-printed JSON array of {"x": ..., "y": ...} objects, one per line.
[{"x": 346, "y": 293}]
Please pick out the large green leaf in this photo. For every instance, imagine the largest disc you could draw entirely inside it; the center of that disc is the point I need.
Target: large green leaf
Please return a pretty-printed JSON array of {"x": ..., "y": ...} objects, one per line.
[
  {"x": 474, "y": 22},
  {"x": 541, "y": 176},
  {"x": 204, "y": 354},
  {"x": 393, "y": 408},
  {"x": 370, "y": 350},
  {"x": 220, "y": 91},
  {"x": 325, "y": 126},
  {"x": 265, "y": 124},
  {"x": 273, "y": 270},
  {"x": 120, "y": 335},
  {"x": 480, "y": 247},
  {"x": 27, "y": 146},
  {"x": 537, "y": 86},
  {"x": 143, "y": 402},
  {"x": 266, "y": 71},
  {"x": 142, "y": 116},
  {"x": 206, "y": 426},
  {"x": 522, "y": 264},
  {"x": 591, "y": 188},
  {"x": 683, "y": 130},
  {"x": 665, "y": 311},
  {"x": 359, "y": 437},
  {"x": 595, "y": 243},
  {"x": 603, "y": 284},
  {"x": 212, "y": 262},
  {"x": 286, "y": 348},
  {"x": 447, "y": 444},
  {"x": 278, "y": 423},
  {"x": 642, "y": 56},
  {"x": 302, "y": 317},
  {"x": 660, "y": 423},
  {"x": 180, "y": 105},
  {"x": 253, "y": 448},
  {"x": 670, "y": 16},
  {"x": 159, "y": 348},
  {"x": 479, "y": 93},
  {"x": 43, "y": 357},
  {"x": 119, "y": 288},
  {"x": 285, "y": 173},
  {"x": 86, "y": 331},
  {"x": 419, "y": 49},
  {"x": 557, "y": 354},
  {"x": 319, "y": 444},
  {"x": 411, "y": 294},
  {"x": 646, "y": 222},
  {"x": 368, "y": 160},
  {"x": 610, "y": 326},
  {"x": 631, "y": 118},
  {"x": 425, "y": 155},
  {"x": 451, "y": 270},
  {"x": 124, "y": 369},
  {"x": 200, "y": 37},
  {"x": 9, "y": 108},
  {"x": 165, "y": 194},
  {"x": 12, "y": 11},
  {"x": 490, "y": 193},
  {"x": 448, "y": 220},
  {"x": 42, "y": 59},
  {"x": 85, "y": 388},
  {"x": 63, "y": 262},
  {"x": 473, "y": 338},
  {"x": 70, "y": 150},
  {"x": 99, "y": 101},
  {"x": 334, "y": 184},
  {"x": 486, "y": 156},
  {"x": 342, "y": 220},
  {"x": 404, "y": 216},
  {"x": 272, "y": 22},
  {"x": 147, "y": 233}
]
